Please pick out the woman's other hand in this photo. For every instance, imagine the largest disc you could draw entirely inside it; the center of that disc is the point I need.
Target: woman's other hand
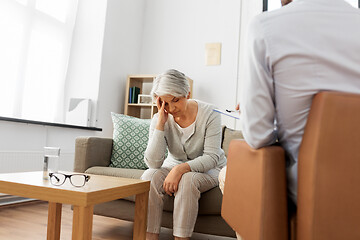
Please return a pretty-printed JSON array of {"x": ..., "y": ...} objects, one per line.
[
  {"x": 171, "y": 182},
  {"x": 163, "y": 114}
]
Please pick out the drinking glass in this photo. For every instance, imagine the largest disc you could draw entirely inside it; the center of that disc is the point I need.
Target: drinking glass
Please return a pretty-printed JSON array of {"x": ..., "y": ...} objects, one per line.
[{"x": 51, "y": 161}]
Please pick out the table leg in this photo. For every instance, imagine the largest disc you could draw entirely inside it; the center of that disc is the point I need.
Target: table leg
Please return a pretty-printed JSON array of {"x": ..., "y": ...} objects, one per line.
[
  {"x": 140, "y": 221},
  {"x": 82, "y": 223},
  {"x": 54, "y": 221}
]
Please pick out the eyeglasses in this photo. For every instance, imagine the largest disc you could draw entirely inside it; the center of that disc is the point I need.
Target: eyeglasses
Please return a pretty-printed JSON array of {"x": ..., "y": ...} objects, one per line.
[{"x": 77, "y": 180}]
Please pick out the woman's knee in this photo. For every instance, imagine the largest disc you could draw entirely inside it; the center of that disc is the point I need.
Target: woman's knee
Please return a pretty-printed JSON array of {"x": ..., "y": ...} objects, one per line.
[
  {"x": 197, "y": 182},
  {"x": 189, "y": 181},
  {"x": 152, "y": 174},
  {"x": 222, "y": 176}
]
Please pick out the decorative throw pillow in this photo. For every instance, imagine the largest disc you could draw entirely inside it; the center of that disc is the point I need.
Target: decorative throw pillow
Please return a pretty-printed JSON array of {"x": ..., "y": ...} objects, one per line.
[{"x": 130, "y": 139}]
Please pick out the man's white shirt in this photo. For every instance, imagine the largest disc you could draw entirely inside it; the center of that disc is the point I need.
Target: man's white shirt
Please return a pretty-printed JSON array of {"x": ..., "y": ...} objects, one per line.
[{"x": 293, "y": 53}]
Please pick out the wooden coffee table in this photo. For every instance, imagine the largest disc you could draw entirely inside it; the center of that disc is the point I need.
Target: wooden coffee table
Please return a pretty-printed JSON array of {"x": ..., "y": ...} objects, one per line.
[{"x": 99, "y": 189}]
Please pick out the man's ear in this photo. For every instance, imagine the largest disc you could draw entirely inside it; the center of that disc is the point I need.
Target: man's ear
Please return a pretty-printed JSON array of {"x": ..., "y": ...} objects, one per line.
[{"x": 188, "y": 96}]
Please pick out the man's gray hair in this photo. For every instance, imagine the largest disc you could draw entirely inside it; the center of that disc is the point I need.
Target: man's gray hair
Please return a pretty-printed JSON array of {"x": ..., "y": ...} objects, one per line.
[{"x": 172, "y": 82}]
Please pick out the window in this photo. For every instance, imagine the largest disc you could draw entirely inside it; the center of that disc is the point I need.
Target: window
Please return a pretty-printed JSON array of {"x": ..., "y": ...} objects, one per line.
[{"x": 35, "y": 46}]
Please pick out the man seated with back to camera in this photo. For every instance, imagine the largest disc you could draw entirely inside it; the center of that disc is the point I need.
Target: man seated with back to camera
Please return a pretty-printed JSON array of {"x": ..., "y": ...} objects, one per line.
[{"x": 293, "y": 53}]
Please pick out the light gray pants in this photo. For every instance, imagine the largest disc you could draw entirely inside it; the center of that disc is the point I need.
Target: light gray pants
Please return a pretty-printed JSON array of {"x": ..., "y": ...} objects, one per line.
[{"x": 186, "y": 202}]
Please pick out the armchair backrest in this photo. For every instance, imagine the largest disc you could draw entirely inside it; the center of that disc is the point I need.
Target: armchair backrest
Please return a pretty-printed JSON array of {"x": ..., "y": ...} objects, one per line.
[
  {"x": 254, "y": 202},
  {"x": 329, "y": 169}
]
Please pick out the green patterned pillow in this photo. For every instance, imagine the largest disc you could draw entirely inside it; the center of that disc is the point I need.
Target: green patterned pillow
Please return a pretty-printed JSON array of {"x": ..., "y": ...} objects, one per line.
[{"x": 130, "y": 139}]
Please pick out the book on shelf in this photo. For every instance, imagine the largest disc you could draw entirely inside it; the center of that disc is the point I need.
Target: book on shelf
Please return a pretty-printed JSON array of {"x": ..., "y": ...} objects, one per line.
[
  {"x": 133, "y": 94},
  {"x": 130, "y": 95}
]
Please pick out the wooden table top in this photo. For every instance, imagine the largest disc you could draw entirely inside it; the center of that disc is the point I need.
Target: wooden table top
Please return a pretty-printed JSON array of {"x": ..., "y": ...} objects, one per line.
[{"x": 97, "y": 190}]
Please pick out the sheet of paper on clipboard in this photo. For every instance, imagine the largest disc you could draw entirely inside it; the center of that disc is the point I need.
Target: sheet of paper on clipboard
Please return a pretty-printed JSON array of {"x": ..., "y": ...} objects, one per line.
[{"x": 230, "y": 113}]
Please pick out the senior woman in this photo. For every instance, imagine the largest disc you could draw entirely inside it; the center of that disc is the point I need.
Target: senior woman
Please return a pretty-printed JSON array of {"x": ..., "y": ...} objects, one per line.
[{"x": 191, "y": 131}]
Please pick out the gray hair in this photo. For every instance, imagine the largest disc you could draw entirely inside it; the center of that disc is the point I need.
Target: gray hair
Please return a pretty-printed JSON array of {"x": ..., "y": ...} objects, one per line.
[{"x": 172, "y": 82}]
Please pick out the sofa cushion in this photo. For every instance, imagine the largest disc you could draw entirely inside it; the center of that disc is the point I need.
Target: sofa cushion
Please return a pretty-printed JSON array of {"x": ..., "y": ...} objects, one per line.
[
  {"x": 116, "y": 172},
  {"x": 130, "y": 138}
]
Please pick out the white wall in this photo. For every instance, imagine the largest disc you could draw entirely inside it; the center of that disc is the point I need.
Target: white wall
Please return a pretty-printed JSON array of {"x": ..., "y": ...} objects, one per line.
[
  {"x": 106, "y": 48},
  {"x": 148, "y": 37},
  {"x": 120, "y": 57},
  {"x": 85, "y": 58},
  {"x": 175, "y": 33}
]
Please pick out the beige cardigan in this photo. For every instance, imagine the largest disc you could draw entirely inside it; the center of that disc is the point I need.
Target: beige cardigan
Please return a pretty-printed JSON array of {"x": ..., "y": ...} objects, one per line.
[{"x": 202, "y": 151}]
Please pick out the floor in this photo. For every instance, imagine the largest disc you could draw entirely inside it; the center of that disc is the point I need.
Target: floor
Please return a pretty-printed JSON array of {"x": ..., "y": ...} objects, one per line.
[{"x": 29, "y": 221}]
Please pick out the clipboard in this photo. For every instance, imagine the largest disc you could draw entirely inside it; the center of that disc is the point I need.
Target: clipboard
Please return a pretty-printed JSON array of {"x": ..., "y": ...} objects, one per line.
[{"x": 230, "y": 113}]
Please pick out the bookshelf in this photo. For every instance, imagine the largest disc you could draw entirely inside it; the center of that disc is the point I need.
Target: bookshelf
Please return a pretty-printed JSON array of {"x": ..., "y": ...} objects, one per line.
[{"x": 144, "y": 84}]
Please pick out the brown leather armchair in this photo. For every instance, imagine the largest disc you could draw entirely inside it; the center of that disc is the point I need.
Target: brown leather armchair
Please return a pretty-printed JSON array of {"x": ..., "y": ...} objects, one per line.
[{"x": 255, "y": 202}]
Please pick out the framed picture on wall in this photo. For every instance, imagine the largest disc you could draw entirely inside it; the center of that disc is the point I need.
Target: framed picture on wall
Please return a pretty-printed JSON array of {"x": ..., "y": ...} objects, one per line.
[{"x": 145, "y": 99}]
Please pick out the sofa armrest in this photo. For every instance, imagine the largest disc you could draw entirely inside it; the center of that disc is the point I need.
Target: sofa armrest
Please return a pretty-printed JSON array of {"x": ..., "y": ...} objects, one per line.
[
  {"x": 228, "y": 135},
  {"x": 92, "y": 151},
  {"x": 255, "y": 201}
]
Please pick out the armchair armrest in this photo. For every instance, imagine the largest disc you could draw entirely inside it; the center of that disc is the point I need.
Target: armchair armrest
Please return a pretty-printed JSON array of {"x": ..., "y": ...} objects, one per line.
[
  {"x": 92, "y": 151},
  {"x": 255, "y": 200}
]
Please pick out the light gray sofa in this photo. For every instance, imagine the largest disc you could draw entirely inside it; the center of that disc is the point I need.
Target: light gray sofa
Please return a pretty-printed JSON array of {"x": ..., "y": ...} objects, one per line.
[{"x": 93, "y": 154}]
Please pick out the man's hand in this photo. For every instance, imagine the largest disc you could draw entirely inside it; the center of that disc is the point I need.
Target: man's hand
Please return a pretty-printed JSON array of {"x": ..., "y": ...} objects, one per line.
[
  {"x": 172, "y": 180},
  {"x": 237, "y": 107}
]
